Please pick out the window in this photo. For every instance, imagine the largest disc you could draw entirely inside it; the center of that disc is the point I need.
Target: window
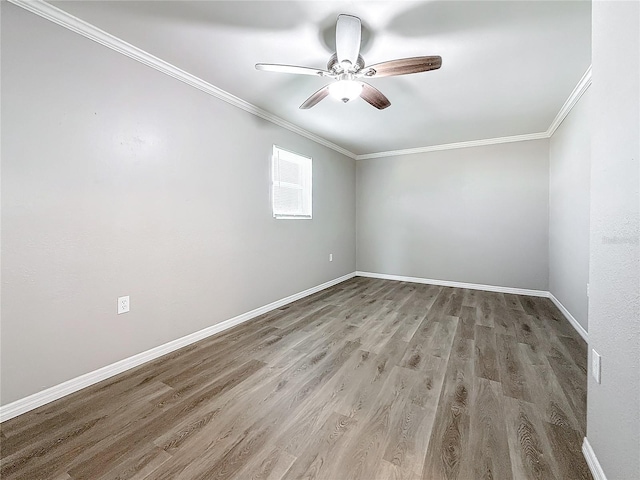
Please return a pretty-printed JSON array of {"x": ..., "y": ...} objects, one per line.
[{"x": 291, "y": 184}]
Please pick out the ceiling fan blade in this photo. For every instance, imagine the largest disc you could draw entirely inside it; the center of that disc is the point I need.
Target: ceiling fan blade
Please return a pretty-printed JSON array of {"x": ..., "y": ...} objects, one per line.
[
  {"x": 373, "y": 96},
  {"x": 402, "y": 66},
  {"x": 348, "y": 32},
  {"x": 269, "y": 67},
  {"x": 315, "y": 98}
]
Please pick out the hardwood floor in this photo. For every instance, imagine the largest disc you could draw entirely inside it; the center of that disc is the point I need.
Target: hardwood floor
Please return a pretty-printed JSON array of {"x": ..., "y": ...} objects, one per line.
[{"x": 370, "y": 379}]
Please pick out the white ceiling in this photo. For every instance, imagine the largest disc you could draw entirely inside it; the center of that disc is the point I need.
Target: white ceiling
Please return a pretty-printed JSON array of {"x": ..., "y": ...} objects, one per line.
[{"x": 508, "y": 66}]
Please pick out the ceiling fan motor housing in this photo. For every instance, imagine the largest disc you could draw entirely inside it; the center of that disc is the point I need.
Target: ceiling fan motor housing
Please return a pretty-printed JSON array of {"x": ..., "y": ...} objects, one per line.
[{"x": 334, "y": 66}]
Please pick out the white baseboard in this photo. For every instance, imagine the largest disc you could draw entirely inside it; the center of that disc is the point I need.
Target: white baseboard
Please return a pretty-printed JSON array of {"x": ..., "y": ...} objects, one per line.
[
  {"x": 592, "y": 461},
  {"x": 58, "y": 391},
  {"x": 447, "y": 283},
  {"x": 574, "y": 323},
  {"x": 488, "y": 288}
]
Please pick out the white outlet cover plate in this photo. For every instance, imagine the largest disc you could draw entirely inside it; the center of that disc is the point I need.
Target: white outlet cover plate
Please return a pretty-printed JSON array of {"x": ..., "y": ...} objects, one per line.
[
  {"x": 123, "y": 304},
  {"x": 595, "y": 365}
]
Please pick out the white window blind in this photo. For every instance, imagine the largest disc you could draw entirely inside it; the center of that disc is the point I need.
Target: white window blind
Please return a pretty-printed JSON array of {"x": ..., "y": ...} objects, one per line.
[{"x": 291, "y": 184}]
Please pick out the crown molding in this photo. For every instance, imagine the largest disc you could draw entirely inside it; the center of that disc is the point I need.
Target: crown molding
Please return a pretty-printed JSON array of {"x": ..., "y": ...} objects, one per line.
[
  {"x": 578, "y": 91},
  {"x": 68, "y": 21},
  {"x": 452, "y": 146},
  {"x": 575, "y": 95}
]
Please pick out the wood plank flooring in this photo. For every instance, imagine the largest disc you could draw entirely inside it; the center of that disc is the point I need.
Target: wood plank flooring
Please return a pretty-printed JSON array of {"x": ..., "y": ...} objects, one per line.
[{"x": 370, "y": 379}]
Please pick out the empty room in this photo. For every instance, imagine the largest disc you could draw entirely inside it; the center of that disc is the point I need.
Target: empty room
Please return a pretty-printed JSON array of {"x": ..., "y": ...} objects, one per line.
[{"x": 308, "y": 239}]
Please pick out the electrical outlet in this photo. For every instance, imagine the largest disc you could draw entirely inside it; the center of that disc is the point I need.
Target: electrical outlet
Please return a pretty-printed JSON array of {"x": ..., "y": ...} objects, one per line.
[
  {"x": 331, "y": 257},
  {"x": 595, "y": 365},
  {"x": 123, "y": 304}
]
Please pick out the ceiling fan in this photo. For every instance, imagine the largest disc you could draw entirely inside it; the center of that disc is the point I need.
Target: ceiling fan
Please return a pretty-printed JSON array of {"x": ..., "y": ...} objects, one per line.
[{"x": 347, "y": 67}]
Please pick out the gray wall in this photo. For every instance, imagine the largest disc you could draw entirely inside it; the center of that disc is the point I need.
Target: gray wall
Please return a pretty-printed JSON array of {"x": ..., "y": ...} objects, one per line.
[
  {"x": 119, "y": 180},
  {"x": 569, "y": 180},
  {"x": 477, "y": 215},
  {"x": 613, "y": 414}
]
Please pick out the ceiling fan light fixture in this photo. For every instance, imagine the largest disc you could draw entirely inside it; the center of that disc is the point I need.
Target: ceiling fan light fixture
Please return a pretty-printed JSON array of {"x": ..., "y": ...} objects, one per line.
[
  {"x": 345, "y": 90},
  {"x": 347, "y": 65}
]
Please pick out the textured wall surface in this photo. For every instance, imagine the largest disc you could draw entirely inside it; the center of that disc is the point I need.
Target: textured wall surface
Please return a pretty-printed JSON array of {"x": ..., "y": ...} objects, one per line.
[
  {"x": 613, "y": 416},
  {"x": 119, "y": 180},
  {"x": 476, "y": 215},
  {"x": 569, "y": 182}
]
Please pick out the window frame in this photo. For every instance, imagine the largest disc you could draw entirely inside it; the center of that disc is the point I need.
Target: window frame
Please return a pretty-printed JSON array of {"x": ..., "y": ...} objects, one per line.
[{"x": 308, "y": 192}]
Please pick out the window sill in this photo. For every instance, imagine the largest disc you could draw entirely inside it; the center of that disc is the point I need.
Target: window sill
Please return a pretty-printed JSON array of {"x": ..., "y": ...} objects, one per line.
[{"x": 292, "y": 217}]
